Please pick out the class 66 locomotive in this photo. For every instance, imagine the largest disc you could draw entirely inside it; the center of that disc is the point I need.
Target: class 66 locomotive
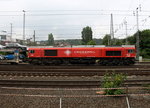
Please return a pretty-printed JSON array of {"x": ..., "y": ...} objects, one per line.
[{"x": 103, "y": 55}]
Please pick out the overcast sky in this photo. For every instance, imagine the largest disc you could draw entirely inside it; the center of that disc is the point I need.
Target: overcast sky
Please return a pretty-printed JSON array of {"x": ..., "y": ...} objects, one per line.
[{"x": 66, "y": 18}]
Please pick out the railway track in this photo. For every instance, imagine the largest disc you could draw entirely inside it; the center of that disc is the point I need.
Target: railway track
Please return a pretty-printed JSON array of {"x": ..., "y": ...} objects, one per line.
[
  {"x": 67, "y": 67},
  {"x": 27, "y": 66},
  {"x": 61, "y": 84},
  {"x": 76, "y": 66},
  {"x": 81, "y": 70},
  {"x": 73, "y": 72},
  {"x": 31, "y": 70}
]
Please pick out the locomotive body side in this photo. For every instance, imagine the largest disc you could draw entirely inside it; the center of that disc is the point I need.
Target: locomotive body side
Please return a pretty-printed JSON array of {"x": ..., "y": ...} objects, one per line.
[{"x": 101, "y": 55}]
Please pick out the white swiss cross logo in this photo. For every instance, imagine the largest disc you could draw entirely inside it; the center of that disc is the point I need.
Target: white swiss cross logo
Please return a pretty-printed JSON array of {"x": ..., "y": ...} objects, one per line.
[{"x": 67, "y": 52}]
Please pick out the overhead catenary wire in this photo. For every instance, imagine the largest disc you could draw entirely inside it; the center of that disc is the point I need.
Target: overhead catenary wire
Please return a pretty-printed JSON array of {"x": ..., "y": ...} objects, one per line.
[
  {"x": 78, "y": 10},
  {"x": 50, "y": 13}
]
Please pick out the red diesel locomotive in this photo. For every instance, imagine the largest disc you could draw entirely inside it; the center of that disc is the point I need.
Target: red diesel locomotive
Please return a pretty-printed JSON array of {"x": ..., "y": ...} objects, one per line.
[{"x": 122, "y": 55}]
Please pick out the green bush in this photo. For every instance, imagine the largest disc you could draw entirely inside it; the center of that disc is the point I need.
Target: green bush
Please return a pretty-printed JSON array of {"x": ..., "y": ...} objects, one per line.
[{"x": 113, "y": 80}]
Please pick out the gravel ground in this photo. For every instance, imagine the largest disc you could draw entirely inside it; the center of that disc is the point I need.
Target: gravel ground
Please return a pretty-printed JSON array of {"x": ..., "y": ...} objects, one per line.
[
  {"x": 139, "y": 101},
  {"x": 49, "y": 98},
  {"x": 41, "y": 98},
  {"x": 28, "y": 102},
  {"x": 103, "y": 102},
  {"x": 41, "y": 102},
  {"x": 80, "y": 102}
]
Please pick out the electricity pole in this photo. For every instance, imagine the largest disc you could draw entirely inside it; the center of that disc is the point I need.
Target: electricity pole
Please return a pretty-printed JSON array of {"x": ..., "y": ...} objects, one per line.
[
  {"x": 34, "y": 37},
  {"x": 112, "y": 30},
  {"x": 125, "y": 22},
  {"x": 11, "y": 32},
  {"x": 137, "y": 35},
  {"x": 24, "y": 25}
]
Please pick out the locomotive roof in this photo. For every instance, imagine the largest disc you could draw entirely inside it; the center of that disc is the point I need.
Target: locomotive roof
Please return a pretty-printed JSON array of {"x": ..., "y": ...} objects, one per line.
[{"x": 81, "y": 46}]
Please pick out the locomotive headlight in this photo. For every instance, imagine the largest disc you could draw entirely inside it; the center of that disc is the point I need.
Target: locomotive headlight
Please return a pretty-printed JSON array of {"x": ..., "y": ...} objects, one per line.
[{"x": 128, "y": 55}]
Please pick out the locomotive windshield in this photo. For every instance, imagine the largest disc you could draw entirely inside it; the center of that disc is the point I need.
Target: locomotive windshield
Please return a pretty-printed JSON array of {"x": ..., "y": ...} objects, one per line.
[
  {"x": 130, "y": 51},
  {"x": 31, "y": 51}
]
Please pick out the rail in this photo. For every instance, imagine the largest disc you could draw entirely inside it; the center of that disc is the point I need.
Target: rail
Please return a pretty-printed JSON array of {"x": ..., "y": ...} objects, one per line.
[{"x": 62, "y": 83}]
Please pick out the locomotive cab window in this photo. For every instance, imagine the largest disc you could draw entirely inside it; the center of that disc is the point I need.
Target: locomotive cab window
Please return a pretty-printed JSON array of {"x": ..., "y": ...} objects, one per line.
[
  {"x": 130, "y": 51},
  {"x": 113, "y": 53},
  {"x": 31, "y": 51},
  {"x": 50, "y": 52}
]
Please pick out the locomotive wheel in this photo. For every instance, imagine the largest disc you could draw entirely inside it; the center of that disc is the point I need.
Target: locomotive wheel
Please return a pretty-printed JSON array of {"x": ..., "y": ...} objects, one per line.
[
  {"x": 13, "y": 63},
  {"x": 58, "y": 62},
  {"x": 105, "y": 62},
  {"x": 66, "y": 62},
  {"x": 126, "y": 62}
]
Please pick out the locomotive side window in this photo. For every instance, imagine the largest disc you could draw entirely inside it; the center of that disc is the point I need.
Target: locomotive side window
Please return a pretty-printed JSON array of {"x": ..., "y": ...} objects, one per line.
[
  {"x": 113, "y": 53},
  {"x": 50, "y": 52},
  {"x": 130, "y": 51},
  {"x": 31, "y": 51}
]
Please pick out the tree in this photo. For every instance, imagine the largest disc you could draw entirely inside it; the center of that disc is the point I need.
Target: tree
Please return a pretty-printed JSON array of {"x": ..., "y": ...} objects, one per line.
[
  {"x": 92, "y": 42},
  {"x": 106, "y": 40},
  {"x": 50, "y": 39},
  {"x": 118, "y": 42},
  {"x": 144, "y": 42},
  {"x": 145, "y": 39},
  {"x": 86, "y": 35},
  {"x": 132, "y": 39}
]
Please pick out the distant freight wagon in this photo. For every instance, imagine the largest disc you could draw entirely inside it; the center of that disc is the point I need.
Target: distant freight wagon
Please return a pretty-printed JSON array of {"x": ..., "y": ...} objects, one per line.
[
  {"x": 103, "y": 55},
  {"x": 9, "y": 56},
  {"x": 13, "y": 53}
]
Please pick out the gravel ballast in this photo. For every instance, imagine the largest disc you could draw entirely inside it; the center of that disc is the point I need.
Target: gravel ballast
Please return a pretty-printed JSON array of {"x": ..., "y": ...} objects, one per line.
[{"x": 49, "y": 98}]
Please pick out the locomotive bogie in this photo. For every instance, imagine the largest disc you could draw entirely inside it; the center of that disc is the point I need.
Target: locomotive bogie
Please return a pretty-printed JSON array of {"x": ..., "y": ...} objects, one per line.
[{"x": 116, "y": 61}]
